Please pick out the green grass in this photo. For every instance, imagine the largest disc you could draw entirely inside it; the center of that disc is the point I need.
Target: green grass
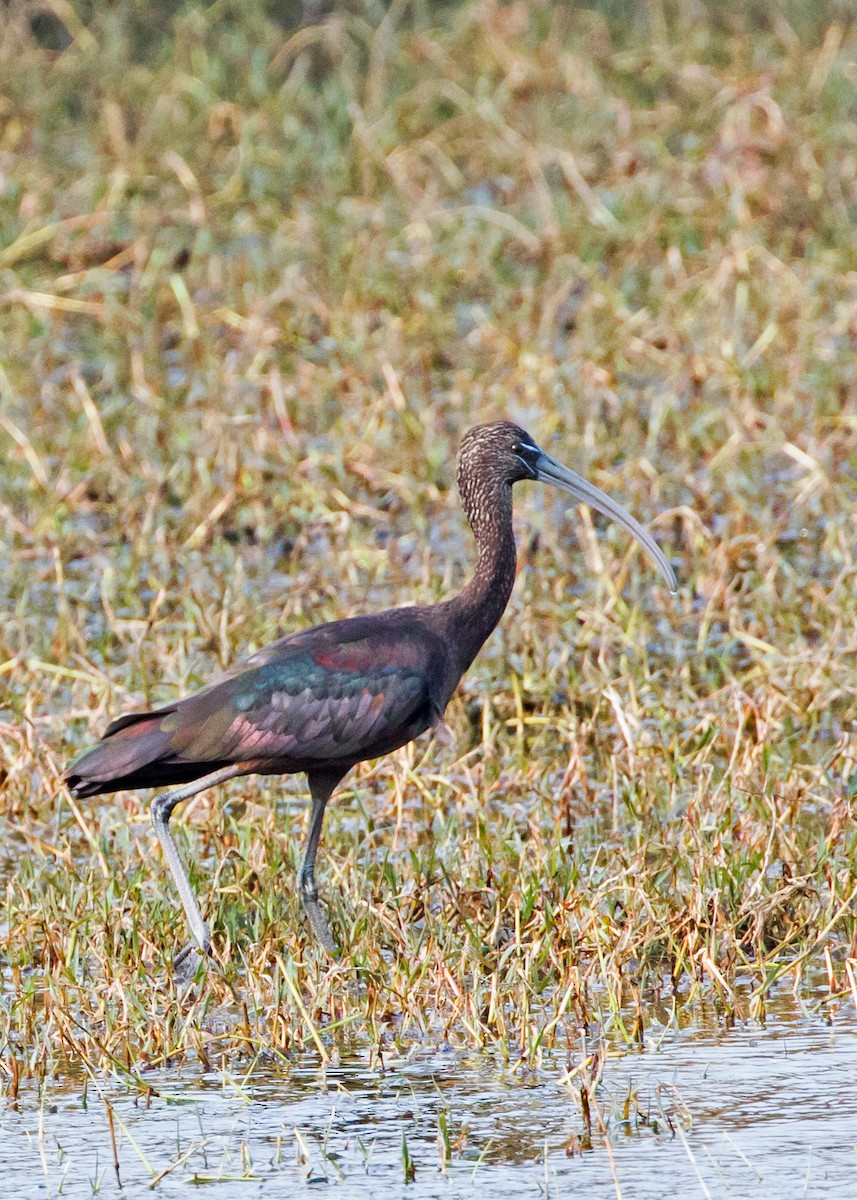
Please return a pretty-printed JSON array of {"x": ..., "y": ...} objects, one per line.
[{"x": 254, "y": 285}]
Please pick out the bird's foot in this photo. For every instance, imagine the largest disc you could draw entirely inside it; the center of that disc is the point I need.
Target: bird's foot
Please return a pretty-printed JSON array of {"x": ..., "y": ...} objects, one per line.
[
  {"x": 320, "y": 927},
  {"x": 317, "y": 919},
  {"x": 188, "y": 960}
]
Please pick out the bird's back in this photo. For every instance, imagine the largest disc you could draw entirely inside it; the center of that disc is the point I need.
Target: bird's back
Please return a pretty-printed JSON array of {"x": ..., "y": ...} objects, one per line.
[{"x": 334, "y": 694}]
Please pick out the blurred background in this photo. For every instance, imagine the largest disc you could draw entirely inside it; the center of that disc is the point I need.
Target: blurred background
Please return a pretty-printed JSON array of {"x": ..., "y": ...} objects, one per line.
[{"x": 261, "y": 265}]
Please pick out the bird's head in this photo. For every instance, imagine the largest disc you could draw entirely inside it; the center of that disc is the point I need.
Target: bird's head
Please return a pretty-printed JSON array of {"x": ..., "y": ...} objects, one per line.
[{"x": 503, "y": 453}]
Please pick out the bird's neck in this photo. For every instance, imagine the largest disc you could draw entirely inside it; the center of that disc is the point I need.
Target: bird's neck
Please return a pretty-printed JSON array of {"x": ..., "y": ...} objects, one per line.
[{"x": 475, "y": 611}]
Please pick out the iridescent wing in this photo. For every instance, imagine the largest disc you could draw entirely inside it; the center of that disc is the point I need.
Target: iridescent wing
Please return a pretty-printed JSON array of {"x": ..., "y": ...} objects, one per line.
[{"x": 308, "y": 698}]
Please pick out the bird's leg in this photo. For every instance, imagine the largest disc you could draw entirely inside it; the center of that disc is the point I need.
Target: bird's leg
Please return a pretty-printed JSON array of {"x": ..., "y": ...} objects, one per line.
[
  {"x": 321, "y": 785},
  {"x": 162, "y": 809}
]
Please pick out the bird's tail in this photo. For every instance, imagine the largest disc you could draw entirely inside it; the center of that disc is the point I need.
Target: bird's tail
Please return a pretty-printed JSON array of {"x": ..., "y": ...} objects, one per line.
[{"x": 136, "y": 751}]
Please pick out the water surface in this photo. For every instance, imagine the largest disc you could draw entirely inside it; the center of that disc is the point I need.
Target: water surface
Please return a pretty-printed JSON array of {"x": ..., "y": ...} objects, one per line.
[{"x": 748, "y": 1111}]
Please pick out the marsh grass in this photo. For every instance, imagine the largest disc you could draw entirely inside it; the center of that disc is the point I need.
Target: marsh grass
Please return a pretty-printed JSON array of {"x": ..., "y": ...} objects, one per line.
[{"x": 253, "y": 287}]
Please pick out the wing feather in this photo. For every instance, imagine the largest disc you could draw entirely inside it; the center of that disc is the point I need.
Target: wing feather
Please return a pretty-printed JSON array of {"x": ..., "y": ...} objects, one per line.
[{"x": 306, "y": 707}]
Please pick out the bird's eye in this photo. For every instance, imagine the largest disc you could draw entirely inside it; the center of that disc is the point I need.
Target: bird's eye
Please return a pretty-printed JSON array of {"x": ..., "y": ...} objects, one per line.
[{"x": 526, "y": 455}]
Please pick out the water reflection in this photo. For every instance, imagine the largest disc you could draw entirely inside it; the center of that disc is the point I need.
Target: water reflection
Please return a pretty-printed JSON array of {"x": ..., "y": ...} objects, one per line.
[{"x": 756, "y": 1110}]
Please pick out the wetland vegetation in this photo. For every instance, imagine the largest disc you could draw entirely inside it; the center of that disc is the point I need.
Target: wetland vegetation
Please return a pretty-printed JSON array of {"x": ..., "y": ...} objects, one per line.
[{"x": 257, "y": 277}]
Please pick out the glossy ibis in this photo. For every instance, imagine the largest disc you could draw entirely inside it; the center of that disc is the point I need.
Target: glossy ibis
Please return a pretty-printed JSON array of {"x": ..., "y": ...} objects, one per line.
[{"x": 321, "y": 700}]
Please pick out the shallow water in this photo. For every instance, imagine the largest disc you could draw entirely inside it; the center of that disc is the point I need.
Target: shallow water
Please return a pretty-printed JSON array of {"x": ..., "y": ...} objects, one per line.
[{"x": 750, "y": 1111}]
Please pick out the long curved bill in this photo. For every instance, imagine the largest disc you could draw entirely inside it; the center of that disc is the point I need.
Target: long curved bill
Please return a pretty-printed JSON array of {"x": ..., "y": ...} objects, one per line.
[{"x": 550, "y": 471}]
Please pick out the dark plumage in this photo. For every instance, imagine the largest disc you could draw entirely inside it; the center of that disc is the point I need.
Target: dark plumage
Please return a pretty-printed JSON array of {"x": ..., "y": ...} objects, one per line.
[{"x": 321, "y": 700}]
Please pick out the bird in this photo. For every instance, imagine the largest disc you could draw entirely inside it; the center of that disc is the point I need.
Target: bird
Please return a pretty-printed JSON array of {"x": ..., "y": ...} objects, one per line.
[{"x": 320, "y": 700}]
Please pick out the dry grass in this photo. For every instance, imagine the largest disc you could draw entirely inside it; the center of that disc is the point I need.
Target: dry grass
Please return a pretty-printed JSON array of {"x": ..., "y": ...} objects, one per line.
[{"x": 252, "y": 291}]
